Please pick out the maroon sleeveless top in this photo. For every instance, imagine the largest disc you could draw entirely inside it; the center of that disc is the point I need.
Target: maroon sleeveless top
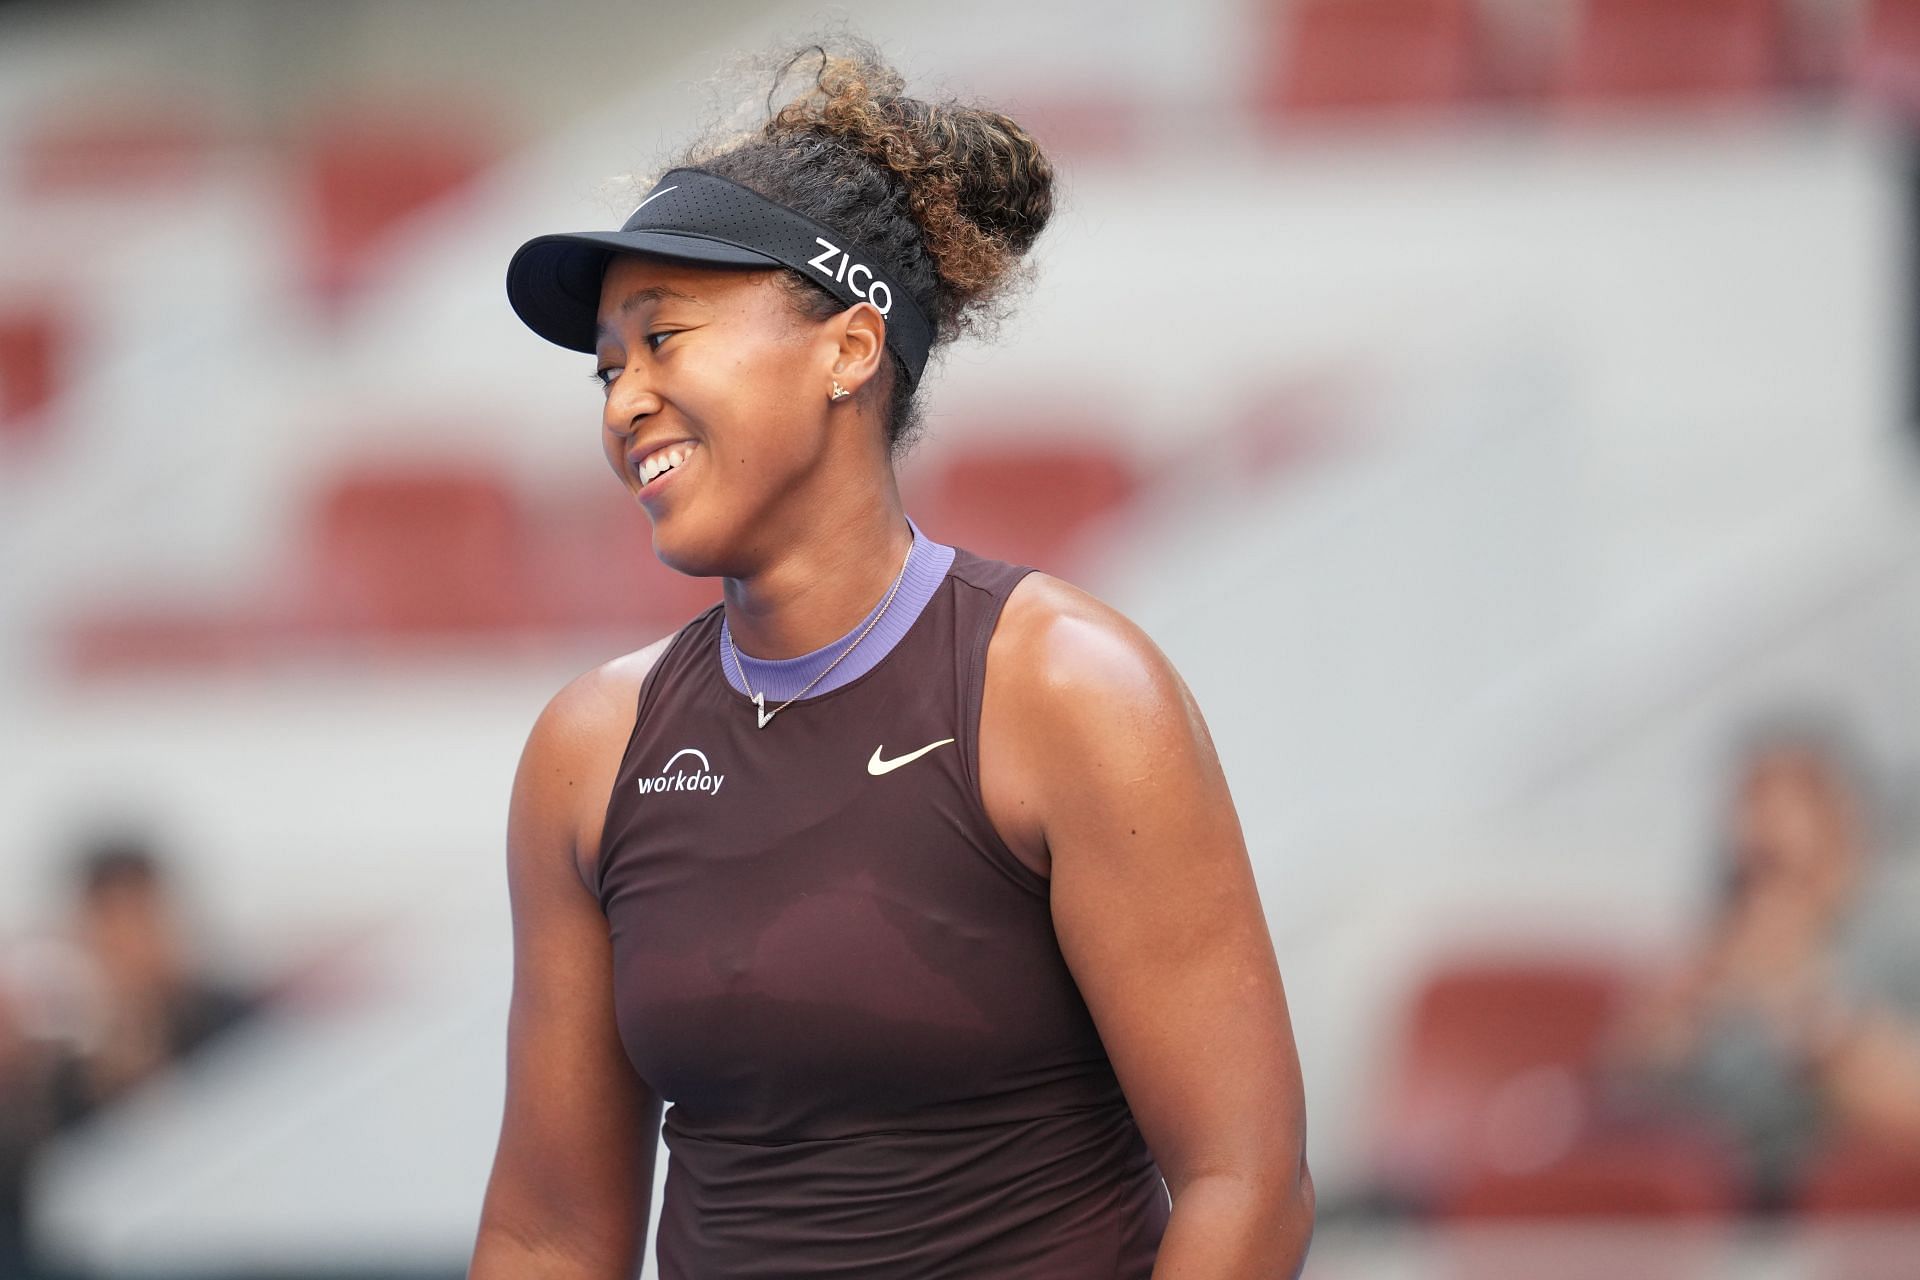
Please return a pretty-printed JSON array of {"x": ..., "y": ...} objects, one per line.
[{"x": 849, "y": 988}]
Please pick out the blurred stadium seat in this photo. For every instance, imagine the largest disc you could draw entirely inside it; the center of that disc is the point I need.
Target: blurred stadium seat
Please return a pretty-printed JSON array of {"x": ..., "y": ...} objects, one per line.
[
  {"x": 1650, "y": 1174},
  {"x": 1624, "y": 50},
  {"x": 121, "y": 639},
  {"x": 31, "y": 347},
  {"x": 1654, "y": 1206},
  {"x": 1027, "y": 502},
  {"x": 1492, "y": 1072},
  {"x": 1884, "y": 62},
  {"x": 113, "y": 143},
  {"x": 397, "y": 549},
  {"x": 1345, "y": 54},
  {"x": 1860, "y": 1175},
  {"x": 1861, "y": 1200},
  {"x": 367, "y": 170}
]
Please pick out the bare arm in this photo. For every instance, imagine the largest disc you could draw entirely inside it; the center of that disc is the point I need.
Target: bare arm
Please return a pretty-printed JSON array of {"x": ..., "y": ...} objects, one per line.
[
  {"x": 572, "y": 1175},
  {"x": 1158, "y": 916}
]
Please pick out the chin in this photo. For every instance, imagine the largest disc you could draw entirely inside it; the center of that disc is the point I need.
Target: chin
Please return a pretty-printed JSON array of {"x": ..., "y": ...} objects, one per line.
[{"x": 697, "y": 552}]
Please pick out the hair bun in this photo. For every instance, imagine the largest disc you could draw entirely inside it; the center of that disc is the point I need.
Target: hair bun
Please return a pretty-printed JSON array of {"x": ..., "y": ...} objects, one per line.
[{"x": 1003, "y": 182}]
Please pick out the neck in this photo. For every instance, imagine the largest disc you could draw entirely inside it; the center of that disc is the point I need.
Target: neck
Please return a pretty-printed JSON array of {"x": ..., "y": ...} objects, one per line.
[{"x": 821, "y": 584}]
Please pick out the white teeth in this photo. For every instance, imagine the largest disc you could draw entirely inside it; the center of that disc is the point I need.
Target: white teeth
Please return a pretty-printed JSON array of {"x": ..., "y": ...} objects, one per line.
[{"x": 665, "y": 460}]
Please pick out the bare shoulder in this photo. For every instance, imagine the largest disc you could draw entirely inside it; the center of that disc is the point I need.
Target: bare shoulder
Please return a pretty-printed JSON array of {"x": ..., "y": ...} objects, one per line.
[
  {"x": 1074, "y": 688},
  {"x": 573, "y": 752},
  {"x": 604, "y": 693},
  {"x": 1055, "y": 638}
]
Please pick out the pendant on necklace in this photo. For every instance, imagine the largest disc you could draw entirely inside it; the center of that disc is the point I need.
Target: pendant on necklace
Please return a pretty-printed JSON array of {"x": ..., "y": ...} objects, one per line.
[{"x": 760, "y": 705}]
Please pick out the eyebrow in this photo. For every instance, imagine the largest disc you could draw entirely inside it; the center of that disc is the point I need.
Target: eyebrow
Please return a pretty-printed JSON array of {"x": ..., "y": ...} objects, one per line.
[
  {"x": 652, "y": 293},
  {"x": 641, "y": 297}
]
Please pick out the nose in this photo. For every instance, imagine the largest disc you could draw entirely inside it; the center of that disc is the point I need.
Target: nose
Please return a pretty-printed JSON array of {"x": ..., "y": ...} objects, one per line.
[{"x": 630, "y": 401}]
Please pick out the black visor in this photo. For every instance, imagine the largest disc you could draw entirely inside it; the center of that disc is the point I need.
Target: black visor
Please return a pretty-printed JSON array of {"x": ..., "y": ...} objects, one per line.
[{"x": 553, "y": 281}]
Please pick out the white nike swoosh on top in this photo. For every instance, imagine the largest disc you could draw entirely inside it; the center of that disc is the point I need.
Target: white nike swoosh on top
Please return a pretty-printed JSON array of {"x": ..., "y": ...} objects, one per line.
[
  {"x": 877, "y": 766},
  {"x": 650, "y": 199}
]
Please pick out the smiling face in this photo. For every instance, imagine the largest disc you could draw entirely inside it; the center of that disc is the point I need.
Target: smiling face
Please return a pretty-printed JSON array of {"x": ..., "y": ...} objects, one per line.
[{"x": 714, "y": 370}]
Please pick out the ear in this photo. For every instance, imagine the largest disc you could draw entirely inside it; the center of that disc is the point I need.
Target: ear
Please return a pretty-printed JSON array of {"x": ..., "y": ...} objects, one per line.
[{"x": 860, "y": 334}]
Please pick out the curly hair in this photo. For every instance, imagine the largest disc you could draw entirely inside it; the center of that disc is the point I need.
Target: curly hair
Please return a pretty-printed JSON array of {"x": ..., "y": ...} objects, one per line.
[{"x": 950, "y": 196}]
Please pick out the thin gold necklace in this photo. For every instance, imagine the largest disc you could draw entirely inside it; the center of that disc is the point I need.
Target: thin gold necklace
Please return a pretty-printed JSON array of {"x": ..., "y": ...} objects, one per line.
[{"x": 760, "y": 699}]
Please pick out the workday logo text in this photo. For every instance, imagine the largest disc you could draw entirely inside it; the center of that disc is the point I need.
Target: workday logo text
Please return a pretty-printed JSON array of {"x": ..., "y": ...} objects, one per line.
[{"x": 688, "y": 777}]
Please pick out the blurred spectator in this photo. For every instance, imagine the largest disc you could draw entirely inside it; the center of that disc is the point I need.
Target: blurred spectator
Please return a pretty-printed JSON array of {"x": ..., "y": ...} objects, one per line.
[
  {"x": 87, "y": 1018},
  {"x": 151, "y": 1003},
  {"x": 1797, "y": 1015}
]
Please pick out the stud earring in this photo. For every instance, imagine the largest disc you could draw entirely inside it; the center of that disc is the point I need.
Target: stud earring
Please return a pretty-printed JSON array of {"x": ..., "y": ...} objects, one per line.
[{"x": 839, "y": 392}]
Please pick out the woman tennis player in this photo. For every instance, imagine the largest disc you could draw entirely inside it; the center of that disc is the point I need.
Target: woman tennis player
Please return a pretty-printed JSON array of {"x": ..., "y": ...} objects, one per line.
[{"x": 908, "y": 876}]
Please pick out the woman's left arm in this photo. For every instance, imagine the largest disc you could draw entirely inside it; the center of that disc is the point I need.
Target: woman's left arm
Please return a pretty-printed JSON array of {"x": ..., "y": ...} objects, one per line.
[{"x": 1159, "y": 919}]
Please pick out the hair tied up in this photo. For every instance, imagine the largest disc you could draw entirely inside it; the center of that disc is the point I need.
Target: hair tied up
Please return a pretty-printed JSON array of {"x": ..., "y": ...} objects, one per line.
[
  {"x": 976, "y": 183},
  {"x": 950, "y": 196}
]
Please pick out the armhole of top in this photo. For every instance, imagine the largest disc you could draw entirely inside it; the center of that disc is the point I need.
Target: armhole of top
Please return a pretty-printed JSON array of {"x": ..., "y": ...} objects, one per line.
[
  {"x": 975, "y": 675},
  {"x": 642, "y": 701}
]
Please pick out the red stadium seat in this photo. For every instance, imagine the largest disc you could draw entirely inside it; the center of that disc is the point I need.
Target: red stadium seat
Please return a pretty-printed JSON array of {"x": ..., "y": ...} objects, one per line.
[
  {"x": 1492, "y": 1071},
  {"x": 1675, "y": 1194},
  {"x": 1861, "y": 1175},
  {"x": 1860, "y": 1199},
  {"x": 406, "y": 550},
  {"x": 113, "y": 143},
  {"x": 368, "y": 170},
  {"x": 1651, "y": 1174},
  {"x": 1885, "y": 59},
  {"x": 123, "y": 640},
  {"x": 32, "y": 347},
  {"x": 1347, "y": 54},
  {"x": 1029, "y": 503},
  {"x": 1626, "y": 50}
]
